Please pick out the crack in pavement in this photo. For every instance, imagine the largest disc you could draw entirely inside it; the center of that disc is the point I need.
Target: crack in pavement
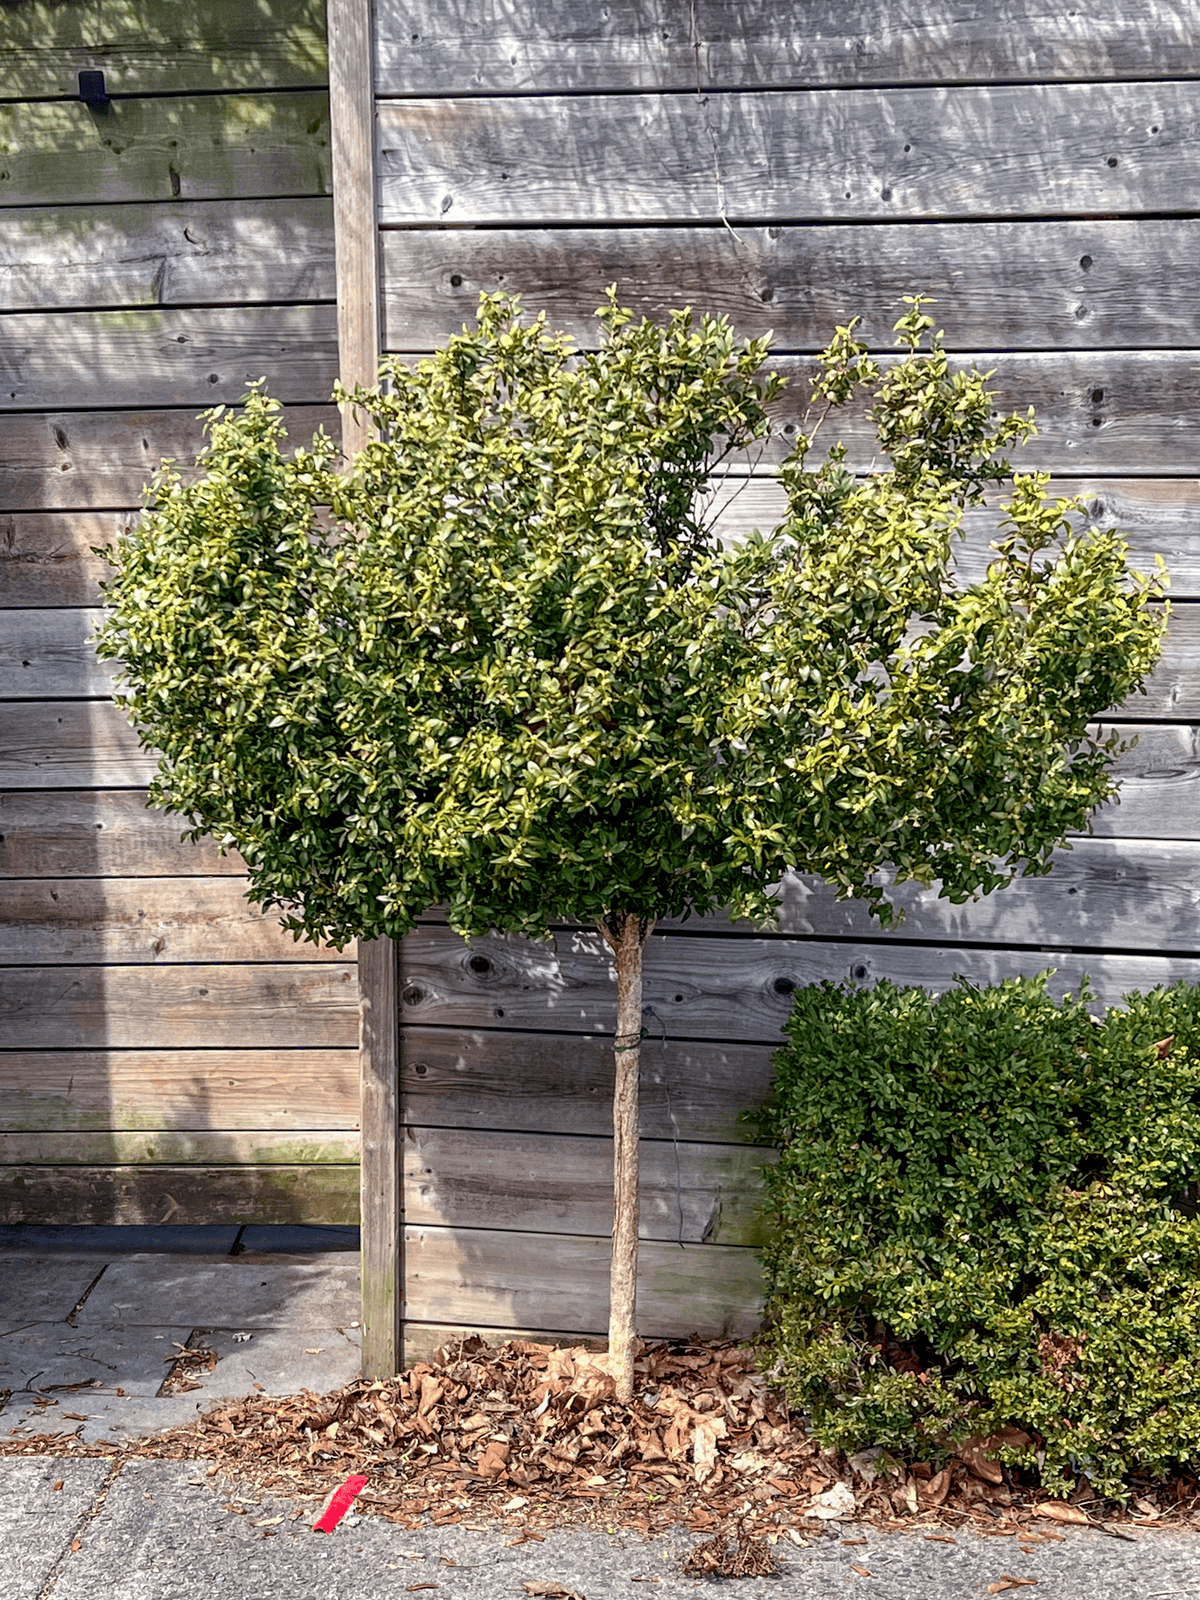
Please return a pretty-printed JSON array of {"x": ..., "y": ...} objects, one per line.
[{"x": 90, "y": 1514}]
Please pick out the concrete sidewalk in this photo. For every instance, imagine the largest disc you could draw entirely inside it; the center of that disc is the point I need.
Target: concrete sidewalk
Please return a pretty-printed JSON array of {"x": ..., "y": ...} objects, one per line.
[
  {"x": 89, "y": 1320},
  {"x": 93, "y": 1319}
]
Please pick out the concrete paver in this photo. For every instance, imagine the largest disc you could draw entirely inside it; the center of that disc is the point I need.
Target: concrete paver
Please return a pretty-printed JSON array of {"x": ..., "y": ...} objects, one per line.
[
  {"x": 318, "y": 1291},
  {"x": 44, "y": 1289},
  {"x": 321, "y": 1360},
  {"x": 49, "y": 1356},
  {"x": 37, "y": 1521},
  {"x": 165, "y": 1533}
]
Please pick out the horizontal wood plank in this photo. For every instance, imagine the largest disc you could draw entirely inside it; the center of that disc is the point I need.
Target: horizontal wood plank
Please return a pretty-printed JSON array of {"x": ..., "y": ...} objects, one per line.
[
  {"x": 71, "y": 744},
  {"x": 156, "y": 46},
  {"x": 203, "y": 147},
  {"x": 1101, "y": 412},
  {"x": 1156, "y": 517},
  {"x": 50, "y": 745},
  {"x": 158, "y": 921},
  {"x": 166, "y": 254},
  {"x": 84, "y": 460},
  {"x": 481, "y": 1079},
  {"x": 711, "y": 987},
  {"x": 422, "y": 1340},
  {"x": 1022, "y": 285},
  {"x": 99, "y": 833},
  {"x": 191, "y": 1091},
  {"x": 49, "y": 655},
  {"x": 539, "y": 1183},
  {"x": 878, "y": 155},
  {"x": 428, "y": 47},
  {"x": 46, "y": 558},
  {"x": 49, "y": 559},
  {"x": 459, "y": 1275},
  {"x": 171, "y": 357},
  {"x": 179, "y": 1008},
  {"x": 210, "y": 1147},
  {"x": 199, "y": 1196}
]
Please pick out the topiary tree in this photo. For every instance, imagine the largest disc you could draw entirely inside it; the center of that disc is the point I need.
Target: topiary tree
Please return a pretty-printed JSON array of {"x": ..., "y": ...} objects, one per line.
[{"x": 515, "y": 671}]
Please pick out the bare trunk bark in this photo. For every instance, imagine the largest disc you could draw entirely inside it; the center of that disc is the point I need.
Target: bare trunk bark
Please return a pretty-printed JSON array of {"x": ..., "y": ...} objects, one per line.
[{"x": 626, "y": 934}]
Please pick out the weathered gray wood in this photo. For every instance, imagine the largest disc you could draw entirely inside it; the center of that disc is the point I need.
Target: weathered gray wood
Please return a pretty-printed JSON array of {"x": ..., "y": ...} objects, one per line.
[
  {"x": 196, "y": 1007},
  {"x": 47, "y": 558},
  {"x": 1107, "y": 413},
  {"x": 49, "y": 655},
  {"x": 134, "y": 920},
  {"x": 422, "y": 1340},
  {"x": 539, "y": 1183},
  {"x": 287, "y": 1091},
  {"x": 166, "y": 254},
  {"x": 98, "y": 833},
  {"x": 562, "y": 1083},
  {"x": 351, "y": 75},
  {"x": 713, "y": 987},
  {"x": 1157, "y": 516},
  {"x": 534, "y": 1280},
  {"x": 207, "y": 147},
  {"x": 48, "y": 745},
  {"x": 71, "y": 744},
  {"x": 996, "y": 286},
  {"x": 108, "y": 1195},
  {"x": 869, "y": 155},
  {"x": 156, "y": 46},
  {"x": 209, "y": 1147},
  {"x": 382, "y": 1178},
  {"x": 166, "y": 358},
  {"x": 431, "y": 47},
  {"x": 79, "y": 460}
]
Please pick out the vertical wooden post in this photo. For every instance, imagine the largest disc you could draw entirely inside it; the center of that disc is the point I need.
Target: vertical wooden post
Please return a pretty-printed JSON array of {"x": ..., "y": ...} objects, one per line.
[{"x": 352, "y": 116}]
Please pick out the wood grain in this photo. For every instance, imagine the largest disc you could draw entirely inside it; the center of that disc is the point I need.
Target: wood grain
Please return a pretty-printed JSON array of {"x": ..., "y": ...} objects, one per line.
[
  {"x": 153, "y": 1091},
  {"x": 156, "y": 46},
  {"x": 83, "y": 460},
  {"x": 49, "y": 655},
  {"x": 209, "y": 1147},
  {"x": 878, "y": 155},
  {"x": 166, "y": 358},
  {"x": 561, "y": 1280},
  {"x": 203, "y": 147},
  {"x": 166, "y": 254},
  {"x": 1099, "y": 413},
  {"x": 179, "y": 1008},
  {"x": 381, "y": 1192},
  {"x": 710, "y": 987},
  {"x": 157, "y": 921},
  {"x": 98, "y": 833},
  {"x": 422, "y": 1340},
  {"x": 48, "y": 558},
  {"x": 1022, "y": 285},
  {"x": 480, "y": 1079},
  {"x": 434, "y": 47},
  {"x": 201, "y": 1196},
  {"x": 71, "y": 744},
  {"x": 539, "y": 1183},
  {"x": 1156, "y": 517}
]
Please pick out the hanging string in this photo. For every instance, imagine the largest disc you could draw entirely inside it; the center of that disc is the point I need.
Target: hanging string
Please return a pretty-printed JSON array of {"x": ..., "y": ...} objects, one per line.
[{"x": 649, "y": 1011}]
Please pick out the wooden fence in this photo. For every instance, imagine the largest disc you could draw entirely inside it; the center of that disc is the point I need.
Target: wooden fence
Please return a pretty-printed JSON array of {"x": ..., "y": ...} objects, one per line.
[
  {"x": 168, "y": 1054},
  {"x": 792, "y": 166}
]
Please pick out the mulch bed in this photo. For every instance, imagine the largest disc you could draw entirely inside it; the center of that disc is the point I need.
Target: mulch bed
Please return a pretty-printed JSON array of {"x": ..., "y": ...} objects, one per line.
[{"x": 530, "y": 1436}]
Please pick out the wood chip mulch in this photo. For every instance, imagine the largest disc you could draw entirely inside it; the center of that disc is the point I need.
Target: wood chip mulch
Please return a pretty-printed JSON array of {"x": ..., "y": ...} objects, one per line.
[{"x": 530, "y": 1436}]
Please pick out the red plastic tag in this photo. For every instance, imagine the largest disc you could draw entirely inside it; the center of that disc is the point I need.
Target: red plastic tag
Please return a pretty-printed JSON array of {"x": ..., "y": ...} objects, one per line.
[{"x": 337, "y": 1508}]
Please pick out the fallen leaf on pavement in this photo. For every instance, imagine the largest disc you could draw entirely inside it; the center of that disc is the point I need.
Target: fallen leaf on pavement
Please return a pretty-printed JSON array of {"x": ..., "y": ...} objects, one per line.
[
  {"x": 551, "y": 1591},
  {"x": 1060, "y": 1511},
  {"x": 863, "y": 1572},
  {"x": 1007, "y": 1581}
]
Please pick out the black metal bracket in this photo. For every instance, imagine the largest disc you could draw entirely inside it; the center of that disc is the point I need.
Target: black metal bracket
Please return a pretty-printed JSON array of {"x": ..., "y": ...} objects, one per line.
[{"x": 92, "y": 91}]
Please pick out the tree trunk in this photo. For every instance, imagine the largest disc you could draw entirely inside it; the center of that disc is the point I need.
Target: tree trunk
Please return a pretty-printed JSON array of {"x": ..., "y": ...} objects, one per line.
[{"x": 626, "y": 935}]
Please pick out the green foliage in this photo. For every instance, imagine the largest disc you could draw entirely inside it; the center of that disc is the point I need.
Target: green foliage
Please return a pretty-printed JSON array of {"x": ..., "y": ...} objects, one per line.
[
  {"x": 985, "y": 1214},
  {"x": 517, "y": 673}
]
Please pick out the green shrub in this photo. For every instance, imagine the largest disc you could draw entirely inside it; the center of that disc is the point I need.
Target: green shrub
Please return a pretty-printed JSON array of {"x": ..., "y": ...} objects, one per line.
[{"x": 984, "y": 1214}]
